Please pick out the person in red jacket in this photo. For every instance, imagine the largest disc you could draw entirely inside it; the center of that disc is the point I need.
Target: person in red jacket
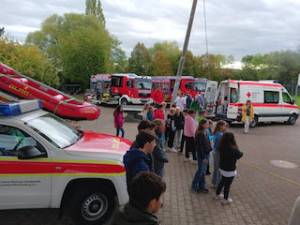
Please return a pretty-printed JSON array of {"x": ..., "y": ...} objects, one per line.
[
  {"x": 159, "y": 113},
  {"x": 157, "y": 96}
]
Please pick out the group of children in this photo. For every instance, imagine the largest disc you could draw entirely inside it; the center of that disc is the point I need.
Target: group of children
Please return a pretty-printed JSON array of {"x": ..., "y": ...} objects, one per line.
[{"x": 179, "y": 131}]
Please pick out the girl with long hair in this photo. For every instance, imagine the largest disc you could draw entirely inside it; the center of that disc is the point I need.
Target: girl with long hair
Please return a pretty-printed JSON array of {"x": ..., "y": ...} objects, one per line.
[
  {"x": 220, "y": 128},
  {"x": 229, "y": 154}
]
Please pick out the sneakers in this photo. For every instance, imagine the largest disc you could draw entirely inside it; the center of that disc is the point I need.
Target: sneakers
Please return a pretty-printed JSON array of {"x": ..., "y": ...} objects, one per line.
[
  {"x": 219, "y": 197},
  {"x": 172, "y": 150},
  {"x": 226, "y": 202},
  {"x": 204, "y": 190}
]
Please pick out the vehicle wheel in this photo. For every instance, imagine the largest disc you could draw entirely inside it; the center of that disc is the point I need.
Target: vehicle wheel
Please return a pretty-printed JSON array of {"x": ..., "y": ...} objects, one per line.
[
  {"x": 254, "y": 122},
  {"x": 123, "y": 101},
  {"x": 92, "y": 206},
  {"x": 292, "y": 120}
]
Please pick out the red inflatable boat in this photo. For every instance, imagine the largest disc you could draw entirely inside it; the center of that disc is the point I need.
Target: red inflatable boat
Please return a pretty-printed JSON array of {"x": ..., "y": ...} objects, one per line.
[{"x": 53, "y": 100}]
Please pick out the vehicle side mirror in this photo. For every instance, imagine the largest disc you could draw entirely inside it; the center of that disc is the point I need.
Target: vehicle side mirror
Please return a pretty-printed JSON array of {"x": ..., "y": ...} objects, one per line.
[
  {"x": 29, "y": 152},
  {"x": 293, "y": 101}
]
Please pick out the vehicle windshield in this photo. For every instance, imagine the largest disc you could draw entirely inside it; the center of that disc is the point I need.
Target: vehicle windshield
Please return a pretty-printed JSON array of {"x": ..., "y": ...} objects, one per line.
[
  {"x": 145, "y": 84},
  {"x": 199, "y": 86},
  {"x": 55, "y": 130}
]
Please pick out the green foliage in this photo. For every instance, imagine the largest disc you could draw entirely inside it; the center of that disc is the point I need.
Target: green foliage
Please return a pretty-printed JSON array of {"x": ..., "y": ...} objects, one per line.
[
  {"x": 139, "y": 61},
  {"x": 28, "y": 60},
  {"x": 283, "y": 66},
  {"x": 118, "y": 57},
  {"x": 161, "y": 64},
  {"x": 171, "y": 51},
  {"x": 77, "y": 44},
  {"x": 94, "y": 7},
  {"x": 298, "y": 100}
]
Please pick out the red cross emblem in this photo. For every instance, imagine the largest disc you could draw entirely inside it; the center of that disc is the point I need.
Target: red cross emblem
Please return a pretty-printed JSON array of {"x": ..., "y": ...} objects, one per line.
[{"x": 248, "y": 94}]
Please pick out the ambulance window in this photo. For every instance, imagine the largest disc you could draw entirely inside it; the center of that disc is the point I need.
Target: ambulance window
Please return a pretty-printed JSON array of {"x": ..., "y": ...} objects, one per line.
[
  {"x": 12, "y": 139},
  {"x": 271, "y": 97},
  {"x": 286, "y": 98},
  {"x": 233, "y": 95}
]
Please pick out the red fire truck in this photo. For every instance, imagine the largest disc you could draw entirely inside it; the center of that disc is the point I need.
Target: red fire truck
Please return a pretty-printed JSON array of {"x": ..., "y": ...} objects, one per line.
[
  {"x": 188, "y": 85},
  {"x": 130, "y": 88}
]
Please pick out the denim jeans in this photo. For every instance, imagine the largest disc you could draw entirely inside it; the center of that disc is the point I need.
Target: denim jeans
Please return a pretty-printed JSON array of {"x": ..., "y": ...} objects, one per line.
[
  {"x": 216, "y": 177},
  {"x": 199, "y": 178},
  {"x": 120, "y": 129}
]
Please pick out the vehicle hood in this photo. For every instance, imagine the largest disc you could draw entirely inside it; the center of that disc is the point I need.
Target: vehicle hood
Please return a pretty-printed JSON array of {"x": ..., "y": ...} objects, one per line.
[{"x": 92, "y": 142}]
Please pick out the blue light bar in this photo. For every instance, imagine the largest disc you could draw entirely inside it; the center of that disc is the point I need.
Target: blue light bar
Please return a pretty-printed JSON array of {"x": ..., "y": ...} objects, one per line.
[{"x": 15, "y": 109}]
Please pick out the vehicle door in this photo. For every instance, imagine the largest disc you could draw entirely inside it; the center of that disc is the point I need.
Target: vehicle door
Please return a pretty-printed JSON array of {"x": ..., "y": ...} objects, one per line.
[
  {"x": 24, "y": 183},
  {"x": 210, "y": 95},
  {"x": 222, "y": 100},
  {"x": 287, "y": 106},
  {"x": 132, "y": 92}
]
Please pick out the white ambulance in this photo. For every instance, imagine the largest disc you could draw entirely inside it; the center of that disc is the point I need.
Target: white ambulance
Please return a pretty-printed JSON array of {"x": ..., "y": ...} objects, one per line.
[
  {"x": 45, "y": 163},
  {"x": 271, "y": 101}
]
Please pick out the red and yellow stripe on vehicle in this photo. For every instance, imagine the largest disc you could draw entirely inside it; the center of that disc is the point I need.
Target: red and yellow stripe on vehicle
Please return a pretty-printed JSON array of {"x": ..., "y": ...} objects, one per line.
[{"x": 11, "y": 166}]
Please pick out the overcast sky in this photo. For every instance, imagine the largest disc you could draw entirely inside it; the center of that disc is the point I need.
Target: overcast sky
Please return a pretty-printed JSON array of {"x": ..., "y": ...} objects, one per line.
[{"x": 235, "y": 27}]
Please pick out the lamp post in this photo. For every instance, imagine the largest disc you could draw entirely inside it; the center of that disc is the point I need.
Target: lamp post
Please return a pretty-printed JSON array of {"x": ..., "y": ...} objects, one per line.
[{"x": 185, "y": 46}]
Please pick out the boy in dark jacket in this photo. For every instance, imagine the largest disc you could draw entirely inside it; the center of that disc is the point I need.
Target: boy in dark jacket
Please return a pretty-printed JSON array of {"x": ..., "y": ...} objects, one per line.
[
  {"x": 137, "y": 159},
  {"x": 145, "y": 196}
]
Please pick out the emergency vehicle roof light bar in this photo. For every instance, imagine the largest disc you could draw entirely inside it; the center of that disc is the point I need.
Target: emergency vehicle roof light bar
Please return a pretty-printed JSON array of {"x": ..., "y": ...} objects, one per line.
[{"x": 18, "y": 108}]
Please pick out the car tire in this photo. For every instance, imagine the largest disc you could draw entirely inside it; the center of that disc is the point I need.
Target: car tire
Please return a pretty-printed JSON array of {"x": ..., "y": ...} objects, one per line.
[
  {"x": 91, "y": 206},
  {"x": 292, "y": 120},
  {"x": 123, "y": 101},
  {"x": 254, "y": 122}
]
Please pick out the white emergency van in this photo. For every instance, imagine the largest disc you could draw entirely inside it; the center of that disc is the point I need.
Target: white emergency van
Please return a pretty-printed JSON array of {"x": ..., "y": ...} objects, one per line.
[
  {"x": 271, "y": 101},
  {"x": 45, "y": 163}
]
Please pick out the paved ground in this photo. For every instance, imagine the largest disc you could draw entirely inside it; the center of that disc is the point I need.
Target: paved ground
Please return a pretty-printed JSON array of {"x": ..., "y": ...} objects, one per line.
[{"x": 263, "y": 194}]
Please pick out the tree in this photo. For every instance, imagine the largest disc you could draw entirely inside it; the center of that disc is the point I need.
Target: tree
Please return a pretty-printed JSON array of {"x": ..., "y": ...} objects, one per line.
[
  {"x": 161, "y": 65},
  {"x": 189, "y": 64},
  {"x": 139, "y": 61},
  {"x": 77, "y": 44},
  {"x": 28, "y": 60},
  {"x": 118, "y": 57},
  {"x": 171, "y": 50},
  {"x": 94, "y": 7}
]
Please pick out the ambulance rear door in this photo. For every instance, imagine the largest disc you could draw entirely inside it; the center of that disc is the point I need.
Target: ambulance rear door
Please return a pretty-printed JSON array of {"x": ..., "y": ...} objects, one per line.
[{"x": 210, "y": 95}]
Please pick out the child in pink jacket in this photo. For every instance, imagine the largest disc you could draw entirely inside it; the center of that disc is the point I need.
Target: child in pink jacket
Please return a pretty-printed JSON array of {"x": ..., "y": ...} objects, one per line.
[{"x": 119, "y": 121}]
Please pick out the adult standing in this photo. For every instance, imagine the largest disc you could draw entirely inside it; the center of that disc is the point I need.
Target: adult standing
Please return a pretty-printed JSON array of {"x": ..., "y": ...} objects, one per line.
[
  {"x": 179, "y": 124},
  {"x": 180, "y": 101},
  {"x": 171, "y": 129},
  {"x": 157, "y": 96},
  {"x": 247, "y": 115}
]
